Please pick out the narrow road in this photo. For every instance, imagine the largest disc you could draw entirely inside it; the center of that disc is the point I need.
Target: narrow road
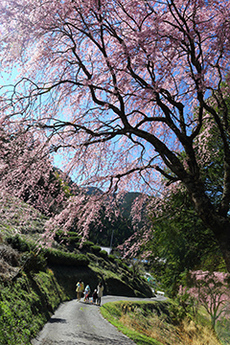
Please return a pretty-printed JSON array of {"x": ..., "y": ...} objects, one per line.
[{"x": 78, "y": 323}]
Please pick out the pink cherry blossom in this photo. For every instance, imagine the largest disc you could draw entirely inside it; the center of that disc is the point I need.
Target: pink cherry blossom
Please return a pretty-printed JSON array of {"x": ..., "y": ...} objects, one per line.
[{"x": 121, "y": 91}]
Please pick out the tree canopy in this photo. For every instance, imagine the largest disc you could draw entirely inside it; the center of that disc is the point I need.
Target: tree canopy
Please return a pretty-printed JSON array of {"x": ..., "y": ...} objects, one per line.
[
  {"x": 112, "y": 86},
  {"x": 180, "y": 242}
]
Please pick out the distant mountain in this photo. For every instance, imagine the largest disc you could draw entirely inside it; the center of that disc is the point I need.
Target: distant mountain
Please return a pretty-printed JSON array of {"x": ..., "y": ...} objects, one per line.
[
  {"x": 113, "y": 231},
  {"x": 127, "y": 203}
]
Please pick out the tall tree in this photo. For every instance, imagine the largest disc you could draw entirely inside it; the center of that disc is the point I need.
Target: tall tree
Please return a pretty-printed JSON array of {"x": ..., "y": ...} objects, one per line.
[{"x": 116, "y": 82}]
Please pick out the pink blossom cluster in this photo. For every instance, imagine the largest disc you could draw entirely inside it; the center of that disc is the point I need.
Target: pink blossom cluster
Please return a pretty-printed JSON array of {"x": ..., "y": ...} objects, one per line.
[
  {"x": 120, "y": 89},
  {"x": 152, "y": 36},
  {"x": 26, "y": 171}
]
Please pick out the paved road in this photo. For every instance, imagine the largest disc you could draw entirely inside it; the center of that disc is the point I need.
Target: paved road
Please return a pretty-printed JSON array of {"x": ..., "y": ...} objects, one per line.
[{"x": 78, "y": 323}]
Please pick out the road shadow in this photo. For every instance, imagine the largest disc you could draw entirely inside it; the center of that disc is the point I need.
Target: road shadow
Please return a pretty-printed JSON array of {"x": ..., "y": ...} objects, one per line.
[{"x": 57, "y": 320}]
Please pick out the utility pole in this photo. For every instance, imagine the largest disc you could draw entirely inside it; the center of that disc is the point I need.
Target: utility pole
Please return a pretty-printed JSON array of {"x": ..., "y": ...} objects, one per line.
[{"x": 111, "y": 240}]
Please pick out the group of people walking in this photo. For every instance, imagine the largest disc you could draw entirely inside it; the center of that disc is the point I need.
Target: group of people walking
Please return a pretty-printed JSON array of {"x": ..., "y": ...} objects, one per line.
[{"x": 96, "y": 295}]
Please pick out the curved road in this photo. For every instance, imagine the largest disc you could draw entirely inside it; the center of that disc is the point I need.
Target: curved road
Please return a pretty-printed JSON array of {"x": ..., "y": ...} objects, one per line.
[{"x": 79, "y": 323}]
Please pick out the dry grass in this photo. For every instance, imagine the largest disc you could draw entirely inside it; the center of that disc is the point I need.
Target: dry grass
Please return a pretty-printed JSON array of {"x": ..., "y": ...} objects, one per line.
[{"x": 188, "y": 333}]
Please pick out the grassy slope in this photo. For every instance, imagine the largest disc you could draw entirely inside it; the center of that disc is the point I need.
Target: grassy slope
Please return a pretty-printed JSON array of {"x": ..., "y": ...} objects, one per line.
[
  {"x": 153, "y": 324},
  {"x": 26, "y": 305}
]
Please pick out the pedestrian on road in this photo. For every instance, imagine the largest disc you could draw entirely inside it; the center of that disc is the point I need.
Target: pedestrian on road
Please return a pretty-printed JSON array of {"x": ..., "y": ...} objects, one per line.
[
  {"x": 86, "y": 293},
  {"x": 79, "y": 289},
  {"x": 100, "y": 290},
  {"x": 95, "y": 296}
]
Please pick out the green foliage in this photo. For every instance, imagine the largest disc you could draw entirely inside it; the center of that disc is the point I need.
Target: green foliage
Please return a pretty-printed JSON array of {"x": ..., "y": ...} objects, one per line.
[
  {"x": 17, "y": 242},
  {"x": 111, "y": 257},
  {"x": 182, "y": 307},
  {"x": 59, "y": 235},
  {"x": 63, "y": 185},
  {"x": 179, "y": 243},
  {"x": 95, "y": 249},
  {"x": 103, "y": 254},
  {"x": 24, "y": 309},
  {"x": 119, "y": 261},
  {"x": 59, "y": 257},
  {"x": 33, "y": 262},
  {"x": 70, "y": 240},
  {"x": 223, "y": 330},
  {"x": 86, "y": 245},
  {"x": 73, "y": 238}
]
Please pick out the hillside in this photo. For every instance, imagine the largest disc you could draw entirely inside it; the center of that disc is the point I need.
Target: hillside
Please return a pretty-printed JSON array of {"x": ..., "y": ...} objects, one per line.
[
  {"x": 23, "y": 234},
  {"x": 35, "y": 280}
]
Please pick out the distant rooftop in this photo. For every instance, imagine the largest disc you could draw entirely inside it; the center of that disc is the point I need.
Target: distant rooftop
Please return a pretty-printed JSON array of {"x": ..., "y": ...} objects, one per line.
[{"x": 107, "y": 249}]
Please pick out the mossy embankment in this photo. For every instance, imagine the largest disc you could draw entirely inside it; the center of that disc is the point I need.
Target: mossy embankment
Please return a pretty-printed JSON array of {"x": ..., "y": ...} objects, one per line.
[{"x": 26, "y": 303}]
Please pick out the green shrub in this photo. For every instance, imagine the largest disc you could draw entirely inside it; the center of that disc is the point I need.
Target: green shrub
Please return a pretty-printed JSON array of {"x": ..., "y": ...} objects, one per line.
[
  {"x": 103, "y": 254},
  {"x": 34, "y": 262},
  {"x": 64, "y": 258},
  {"x": 59, "y": 236},
  {"x": 73, "y": 241},
  {"x": 127, "y": 268},
  {"x": 123, "y": 276},
  {"x": 118, "y": 262},
  {"x": 181, "y": 308},
  {"x": 95, "y": 249},
  {"x": 73, "y": 234},
  {"x": 111, "y": 257},
  {"x": 19, "y": 243},
  {"x": 67, "y": 238},
  {"x": 86, "y": 245}
]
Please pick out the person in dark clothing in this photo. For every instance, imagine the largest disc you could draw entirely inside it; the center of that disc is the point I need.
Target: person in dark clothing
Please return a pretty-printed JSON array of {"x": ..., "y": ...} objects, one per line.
[{"x": 95, "y": 296}]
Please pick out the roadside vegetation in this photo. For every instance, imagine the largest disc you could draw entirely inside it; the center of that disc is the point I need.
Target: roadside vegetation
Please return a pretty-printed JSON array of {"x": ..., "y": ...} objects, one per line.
[
  {"x": 159, "y": 323},
  {"x": 26, "y": 304}
]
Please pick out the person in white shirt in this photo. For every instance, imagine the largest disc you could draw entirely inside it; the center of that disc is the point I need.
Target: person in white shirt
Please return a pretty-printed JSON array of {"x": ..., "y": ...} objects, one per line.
[{"x": 100, "y": 290}]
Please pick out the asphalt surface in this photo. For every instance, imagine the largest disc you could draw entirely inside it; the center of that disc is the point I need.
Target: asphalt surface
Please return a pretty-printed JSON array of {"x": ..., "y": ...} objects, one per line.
[{"x": 79, "y": 323}]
